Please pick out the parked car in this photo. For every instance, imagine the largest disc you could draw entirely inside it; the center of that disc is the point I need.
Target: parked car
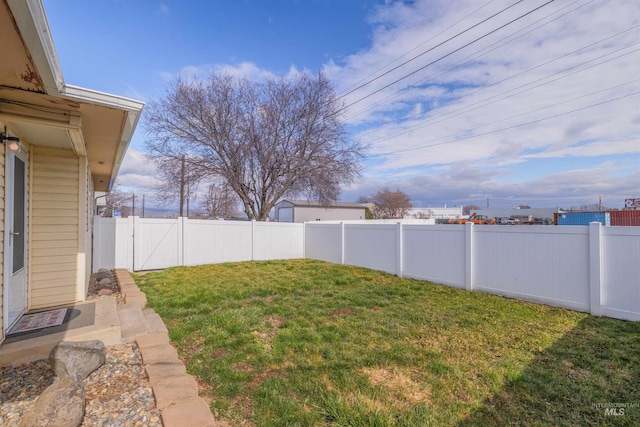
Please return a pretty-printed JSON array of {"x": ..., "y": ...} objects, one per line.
[{"x": 508, "y": 221}]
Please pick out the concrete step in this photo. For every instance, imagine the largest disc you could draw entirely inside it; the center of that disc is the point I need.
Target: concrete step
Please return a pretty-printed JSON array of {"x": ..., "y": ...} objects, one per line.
[
  {"x": 133, "y": 322},
  {"x": 154, "y": 321},
  {"x": 104, "y": 326}
]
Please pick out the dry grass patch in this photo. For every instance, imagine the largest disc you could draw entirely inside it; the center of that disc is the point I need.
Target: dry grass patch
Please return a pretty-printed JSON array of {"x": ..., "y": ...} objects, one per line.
[{"x": 400, "y": 385}]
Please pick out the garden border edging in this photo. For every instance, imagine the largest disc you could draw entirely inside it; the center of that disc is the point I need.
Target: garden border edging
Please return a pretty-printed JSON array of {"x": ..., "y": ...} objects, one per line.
[{"x": 175, "y": 391}]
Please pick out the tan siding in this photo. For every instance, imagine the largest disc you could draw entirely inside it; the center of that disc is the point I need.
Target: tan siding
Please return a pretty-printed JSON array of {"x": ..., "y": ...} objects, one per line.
[
  {"x": 53, "y": 293},
  {"x": 56, "y": 283},
  {"x": 55, "y": 268},
  {"x": 55, "y": 259},
  {"x": 56, "y": 236},
  {"x": 58, "y": 186},
  {"x": 70, "y": 198},
  {"x": 57, "y": 189},
  {"x": 56, "y": 169},
  {"x": 63, "y": 163},
  {"x": 53, "y": 204},
  {"x": 56, "y": 298},
  {"x": 49, "y": 220},
  {"x": 2, "y": 281},
  {"x": 51, "y": 252},
  {"x": 46, "y": 244},
  {"x": 47, "y": 275},
  {"x": 55, "y": 177},
  {"x": 58, "y": 228},
  {"x": 54, "y": 227},
  {"x": 55, "y": 213},
  {"x": 84, "y": 233}
]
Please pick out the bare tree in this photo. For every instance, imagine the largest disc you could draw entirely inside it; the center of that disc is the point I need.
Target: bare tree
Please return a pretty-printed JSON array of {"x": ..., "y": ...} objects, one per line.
[
  {"x": 267, "y": 139},
  {"x": 591, "y": 207},
  {"x": 390, "y": 204},
  {"x": 178, "y": 181},
  {"x": 219, "y": 200},
  {"x": 466, "y": 209},
  {"x": 118, "y": 201},
  {"x": 366, "y": 201}
]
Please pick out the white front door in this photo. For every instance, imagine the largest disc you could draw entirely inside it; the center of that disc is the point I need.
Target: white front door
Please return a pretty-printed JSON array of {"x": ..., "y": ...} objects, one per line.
[{"x": 15, "y": 301}]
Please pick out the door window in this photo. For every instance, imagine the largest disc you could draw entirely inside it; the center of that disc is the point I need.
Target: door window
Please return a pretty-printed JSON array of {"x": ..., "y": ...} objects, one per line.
[{"x": 18, "y": 232}]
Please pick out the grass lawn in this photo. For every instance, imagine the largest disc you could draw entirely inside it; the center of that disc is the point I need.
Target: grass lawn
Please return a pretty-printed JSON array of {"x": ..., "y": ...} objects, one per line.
[{"x": 307, "y": 343}]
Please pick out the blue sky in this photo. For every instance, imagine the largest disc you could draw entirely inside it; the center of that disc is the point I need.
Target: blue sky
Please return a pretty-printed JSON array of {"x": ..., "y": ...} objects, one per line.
[{"x": 460, "y": 102}]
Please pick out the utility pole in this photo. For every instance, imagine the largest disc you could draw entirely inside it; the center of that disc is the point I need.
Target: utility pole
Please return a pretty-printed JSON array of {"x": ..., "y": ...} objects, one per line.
[
  {"x": 143, "y": 206},
  {"x": 600, "y": 203},
  {"x": 133, "y": 205},
  {"x": 182, "y": 186}
]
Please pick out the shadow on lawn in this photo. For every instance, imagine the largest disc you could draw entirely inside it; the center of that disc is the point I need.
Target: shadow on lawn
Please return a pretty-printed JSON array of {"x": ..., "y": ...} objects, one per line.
[{"x": 597, "y": 362}]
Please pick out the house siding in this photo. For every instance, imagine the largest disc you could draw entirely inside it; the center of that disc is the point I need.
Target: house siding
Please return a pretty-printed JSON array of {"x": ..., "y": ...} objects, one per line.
[
  {"x": 56, "y": 227},
  {"x": 85, "y": 230},
  {"x": 2, "y": 281},
  {"x": 311, "y": 213},
  {"x": 287, "y": 211}
]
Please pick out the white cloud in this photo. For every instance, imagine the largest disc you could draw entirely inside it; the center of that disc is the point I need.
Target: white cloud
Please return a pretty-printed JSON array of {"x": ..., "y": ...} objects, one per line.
[
  {"x": 559, "y": 83},
  {"x": 137, "y": 174},
  {"x": 244, "y": 69}
]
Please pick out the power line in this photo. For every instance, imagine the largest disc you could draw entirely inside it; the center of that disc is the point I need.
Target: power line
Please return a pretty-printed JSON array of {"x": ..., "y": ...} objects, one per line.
[
  {"x": 475, "y": 55},
  {"x": 417, "y": 47},
  {"x": 445, "y": 56},
  {"x": 557, "y": 104},
  {"x": 502, "y": 129},
  {"x": 482, "y": 103},
  {"x": 532, "y": 111}
]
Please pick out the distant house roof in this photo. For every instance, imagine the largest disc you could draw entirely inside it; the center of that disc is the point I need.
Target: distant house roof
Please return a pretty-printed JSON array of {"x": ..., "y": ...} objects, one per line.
[{"x": 317, "y": 204}]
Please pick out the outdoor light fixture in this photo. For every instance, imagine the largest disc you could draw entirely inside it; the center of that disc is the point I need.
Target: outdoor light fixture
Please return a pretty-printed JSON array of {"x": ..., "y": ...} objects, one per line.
[{"x": 14, "y": 141}]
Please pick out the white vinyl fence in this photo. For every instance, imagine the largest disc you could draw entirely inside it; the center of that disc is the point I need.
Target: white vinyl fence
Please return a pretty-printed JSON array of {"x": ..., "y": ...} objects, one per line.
[
  {"x": 139, "y": 244},
  {"x": 593, "y": 268}
]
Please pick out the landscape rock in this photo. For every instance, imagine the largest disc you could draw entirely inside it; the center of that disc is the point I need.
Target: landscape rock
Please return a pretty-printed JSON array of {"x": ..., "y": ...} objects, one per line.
[
  {"x": 105, "y": 291},
  {"x": 76, "y": 360},
  {"x": 103, "y": 275},
  {"x": 105, "y": 282},
  {"x": 60, "y": 405}
]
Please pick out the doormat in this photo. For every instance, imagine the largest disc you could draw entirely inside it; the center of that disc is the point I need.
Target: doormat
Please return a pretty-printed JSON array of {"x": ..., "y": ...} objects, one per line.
[{"x": 44, "y": 319}]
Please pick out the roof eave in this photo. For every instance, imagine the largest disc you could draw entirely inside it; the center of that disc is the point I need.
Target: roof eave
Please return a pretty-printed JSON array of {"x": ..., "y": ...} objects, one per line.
[
  {"x": 131, "y": 107},
  {"x": 34, "y": 28}
]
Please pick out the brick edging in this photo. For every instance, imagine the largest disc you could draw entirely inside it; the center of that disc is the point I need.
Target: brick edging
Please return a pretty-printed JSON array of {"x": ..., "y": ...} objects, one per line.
[{"x": 175, "y": 391}]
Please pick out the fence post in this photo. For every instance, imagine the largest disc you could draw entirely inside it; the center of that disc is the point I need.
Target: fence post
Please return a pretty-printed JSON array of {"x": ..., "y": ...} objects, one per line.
[
  {"x": 135, "y": 236},
  {"x": 253, "y": 239},
  {"x": 595, "y": 268},
  {"x": 128, "y": 244},
  {"x": 468, "y": 255},
  {"x": 341, "y": 243},
  {"x": 304, "y": 240},
  {"x": 399, "y": 254},
  {"x": 96, "y": 244},
  {"x": 182, "y": 223}
]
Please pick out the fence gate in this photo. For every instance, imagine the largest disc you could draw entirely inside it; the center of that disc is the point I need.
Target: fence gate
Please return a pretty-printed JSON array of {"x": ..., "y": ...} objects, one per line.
[{"x": 157, "y": 243}]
